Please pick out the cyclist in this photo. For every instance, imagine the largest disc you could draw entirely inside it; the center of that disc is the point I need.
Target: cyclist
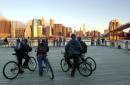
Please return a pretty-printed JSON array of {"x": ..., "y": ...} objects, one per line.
[
  {"x": 83, "y": 44},
  {"x": 41, "y": 55},
  {"x": 22, "y": 50},
  {"x": 73, "y": 49}
]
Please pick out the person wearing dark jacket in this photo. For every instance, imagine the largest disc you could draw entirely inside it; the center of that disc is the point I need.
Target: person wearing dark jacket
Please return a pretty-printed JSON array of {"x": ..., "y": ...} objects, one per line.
[
  {"x": 73, "y": 49},
  {"x": 83, "y": 45},
  {"x": 41, "y": 55},
  {"x": 22, "y": 53}
]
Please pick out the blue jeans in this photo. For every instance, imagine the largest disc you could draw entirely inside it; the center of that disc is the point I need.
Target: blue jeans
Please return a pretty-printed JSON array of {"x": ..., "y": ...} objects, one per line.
[{"x": 40, "y": 64}]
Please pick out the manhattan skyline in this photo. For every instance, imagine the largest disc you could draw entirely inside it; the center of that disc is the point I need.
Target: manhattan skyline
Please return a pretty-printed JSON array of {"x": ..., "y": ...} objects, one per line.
[{"x": 95, "y": 14}]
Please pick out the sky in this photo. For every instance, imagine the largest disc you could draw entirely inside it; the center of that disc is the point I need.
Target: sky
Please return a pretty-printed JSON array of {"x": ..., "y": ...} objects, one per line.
[{"x": 95, "y": 14}]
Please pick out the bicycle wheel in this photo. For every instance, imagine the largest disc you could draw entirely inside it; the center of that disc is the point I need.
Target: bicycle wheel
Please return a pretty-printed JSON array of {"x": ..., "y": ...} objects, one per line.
[
  {"x": 64, "y": 65},
  {"x": 32, "y": 64},
  {"x": 85, "y": 69},
  {"x": 92, "y": 62},
  {"x": 49, "y": 71},
  {"x": 10, "y": 70}
]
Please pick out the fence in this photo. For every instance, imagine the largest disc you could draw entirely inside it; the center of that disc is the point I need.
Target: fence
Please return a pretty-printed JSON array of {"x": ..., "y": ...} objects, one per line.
[{"x": 124, "y": 44}]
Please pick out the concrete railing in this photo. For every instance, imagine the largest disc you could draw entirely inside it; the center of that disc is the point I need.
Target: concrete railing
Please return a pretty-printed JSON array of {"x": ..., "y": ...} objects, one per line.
[
  {"x": 121, "y": 44},
  {"x": 124, "y": 44}
]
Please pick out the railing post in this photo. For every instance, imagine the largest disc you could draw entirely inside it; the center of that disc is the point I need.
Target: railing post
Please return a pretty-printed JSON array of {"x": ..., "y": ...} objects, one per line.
[{"x": 126, "y": 44}]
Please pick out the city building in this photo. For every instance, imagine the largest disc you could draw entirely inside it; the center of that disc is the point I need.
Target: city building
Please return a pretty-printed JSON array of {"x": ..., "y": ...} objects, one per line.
[
  {"x": 34, "y": 27},
  {"x": 84, "y": 30},
  {"x": 28, "y": 29},
  {"x": 64, "y": 31},
  {"x": 5, "y": 27},
  {"x": 42, "y": 21},
  {"x": 48, "y": 31},
  {"x": 19, "y": 32},
  {"x": 52, "y": 26},
  {"x": 40, "y": 31},
  {"x": 13, "y": 29},
  {"x": 95, "y": 34},
  {"x": 58, "y": 29},
  {"x": 68, "y": 31},
  {"x": 19, "y": 29}
]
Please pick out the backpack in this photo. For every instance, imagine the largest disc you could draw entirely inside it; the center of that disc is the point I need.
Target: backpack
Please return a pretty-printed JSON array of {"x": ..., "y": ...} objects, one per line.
[
  {"x": 26, "y": 48},
  {"x": 84, "y": 47}
]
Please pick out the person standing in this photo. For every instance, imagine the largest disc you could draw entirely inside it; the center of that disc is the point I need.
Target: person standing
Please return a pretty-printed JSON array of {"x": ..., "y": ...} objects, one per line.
[
  {"x": 41, "y": 55},
  {"x": 92, "y": 41},
  {"x": 64, "y": 40}
]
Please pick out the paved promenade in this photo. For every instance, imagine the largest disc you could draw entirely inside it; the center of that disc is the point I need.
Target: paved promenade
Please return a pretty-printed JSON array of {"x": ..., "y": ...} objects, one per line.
[{"x": 113, "y": 68}]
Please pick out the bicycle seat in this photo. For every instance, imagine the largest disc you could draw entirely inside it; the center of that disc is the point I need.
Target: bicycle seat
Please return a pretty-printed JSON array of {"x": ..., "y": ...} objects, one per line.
[{"x": 13, "y": 53}]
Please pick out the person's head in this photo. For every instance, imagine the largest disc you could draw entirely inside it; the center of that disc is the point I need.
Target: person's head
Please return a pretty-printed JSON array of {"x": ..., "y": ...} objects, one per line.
[
  {"x": 73, "y": 36},
  {"x": 79, "y": 38},
  {"x": 18, "y": 40}
]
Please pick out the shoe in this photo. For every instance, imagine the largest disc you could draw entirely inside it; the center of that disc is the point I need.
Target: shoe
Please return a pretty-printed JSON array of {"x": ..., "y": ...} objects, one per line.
[
  {"x": 72, "y": 75},
  {"x": 40, "y": 73},
  {"x": 20, "y": 72}
]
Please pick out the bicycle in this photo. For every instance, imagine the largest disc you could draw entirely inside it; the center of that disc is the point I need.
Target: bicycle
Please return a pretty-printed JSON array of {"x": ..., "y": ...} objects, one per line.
[
  {"x": 84, "y": 68},
  {"x": 47, "y": 67},
  {"x": 11, "y": 69},
  {"x": 90, "y": 61}
]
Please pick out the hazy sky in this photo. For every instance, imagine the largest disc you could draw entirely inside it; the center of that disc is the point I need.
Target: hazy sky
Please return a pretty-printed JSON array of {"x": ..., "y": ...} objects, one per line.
[{"x": 96, "y": 14}]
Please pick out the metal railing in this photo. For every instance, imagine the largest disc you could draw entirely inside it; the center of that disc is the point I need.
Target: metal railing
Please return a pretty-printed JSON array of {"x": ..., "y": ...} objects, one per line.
[{"x": 124, "y": 44}]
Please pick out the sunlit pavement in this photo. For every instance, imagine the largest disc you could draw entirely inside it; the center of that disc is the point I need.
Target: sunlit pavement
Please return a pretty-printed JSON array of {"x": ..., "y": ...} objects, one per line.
[{"x": 113, "y": 68}]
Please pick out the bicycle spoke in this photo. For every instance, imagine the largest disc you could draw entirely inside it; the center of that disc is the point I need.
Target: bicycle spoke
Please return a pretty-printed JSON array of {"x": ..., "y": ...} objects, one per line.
[{"x": 32, "y": 64}]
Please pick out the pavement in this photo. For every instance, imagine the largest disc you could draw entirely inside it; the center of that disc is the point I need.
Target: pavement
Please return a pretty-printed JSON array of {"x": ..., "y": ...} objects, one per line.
[{"x": 113, "y": 68}]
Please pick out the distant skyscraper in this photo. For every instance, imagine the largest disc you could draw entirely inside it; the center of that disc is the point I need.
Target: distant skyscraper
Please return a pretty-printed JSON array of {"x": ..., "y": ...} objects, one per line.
[
  {"x": 42, "y": 21},
  {"x": 34, "y": 27},
  {"x": 39, "y": 31},
  {"x": 84, "y": 29},
  {"x": 13, "y": 29},
  {"x": 39, "y": 22},
  {"x": 28, "y": 29},
  {"x": 52, "y": 26}
]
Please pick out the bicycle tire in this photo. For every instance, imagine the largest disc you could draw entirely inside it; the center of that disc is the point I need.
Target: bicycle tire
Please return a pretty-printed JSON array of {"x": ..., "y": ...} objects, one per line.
[
  {"x": 32, "y": 64},
  {"x": 92, "y": 62},
  {"x": 83, "y": 66},
  {"x": 11, "y": 70},
  {"x": 63, "y": 63},
  {"x": 49, "y": 68}
]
